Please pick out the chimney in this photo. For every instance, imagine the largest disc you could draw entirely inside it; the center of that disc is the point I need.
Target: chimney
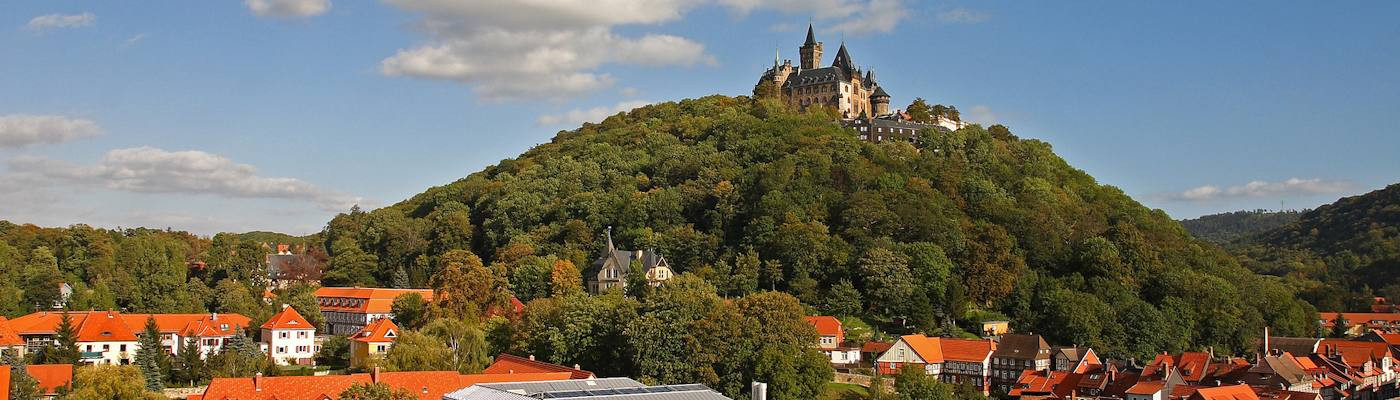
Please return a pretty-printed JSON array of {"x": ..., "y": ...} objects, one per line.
[
  {"x": 576, "y": 367},
  {"x": 758, "y": 391},
  {"x": 214, "y": 316},
  {"x": 374, "y": 375},
  {"x": 285, "y": 305},
  {"x": 532, "y": 357},
  {"x": 257, "y": 382},
  {"x": 1267, "y": 349}
]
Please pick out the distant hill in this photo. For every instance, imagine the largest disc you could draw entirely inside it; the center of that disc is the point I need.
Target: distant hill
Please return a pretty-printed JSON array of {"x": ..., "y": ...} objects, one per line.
[
  {"x": 1340, "y": 254},
  {"x": 1228, "y": 227}
]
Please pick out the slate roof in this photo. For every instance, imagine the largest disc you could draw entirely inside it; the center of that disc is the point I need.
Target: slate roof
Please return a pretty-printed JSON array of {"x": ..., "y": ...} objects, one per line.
[
  {"x": 594, "y": 389},
  {"x": 843, "y": 60},
  {"x": 1295, "y": 345},
  {"x": 815, "y": 76},
  {"x": 811, "y": 37},
  {"x": 1022, "y": 347}
]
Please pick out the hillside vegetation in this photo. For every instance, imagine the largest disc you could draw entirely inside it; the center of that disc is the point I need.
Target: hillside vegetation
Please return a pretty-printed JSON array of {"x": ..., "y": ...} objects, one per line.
[
  {"x": 1339, "y": 255},
  {"x": 911, "y": 237},
  {"x": 1228, "y": 227}
]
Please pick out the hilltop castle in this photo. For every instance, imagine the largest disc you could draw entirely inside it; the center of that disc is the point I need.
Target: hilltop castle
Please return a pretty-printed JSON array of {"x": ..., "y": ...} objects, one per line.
[{"x": 863, "y": 104}]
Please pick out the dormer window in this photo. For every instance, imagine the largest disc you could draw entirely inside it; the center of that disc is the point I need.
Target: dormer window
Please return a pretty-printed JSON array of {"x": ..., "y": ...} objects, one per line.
[{"x": 389, "y": 334}]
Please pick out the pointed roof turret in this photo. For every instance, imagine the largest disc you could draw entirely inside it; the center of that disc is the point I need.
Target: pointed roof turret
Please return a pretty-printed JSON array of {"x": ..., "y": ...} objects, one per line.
[
  {"x": 843, "y": 60},
  {"x": 811, "y": 37}
]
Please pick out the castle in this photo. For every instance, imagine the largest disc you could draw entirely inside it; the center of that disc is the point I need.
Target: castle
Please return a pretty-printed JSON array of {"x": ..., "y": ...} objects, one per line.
[{"x": 863, "y": 104}]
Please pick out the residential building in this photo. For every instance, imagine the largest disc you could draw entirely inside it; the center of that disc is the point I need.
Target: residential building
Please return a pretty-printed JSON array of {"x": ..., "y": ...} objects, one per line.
[
  {"x": 110, "y": 337},
  {"x": 288, "y": 338},
  {"x": 1234, "y": 392},
  {"x": 285, "y": 268},
  {"x": 10, "y": 342},
  {"x": 831, "y": 340},
  {"x": 951, "y": 360},
  {"x": 1360, "y": 323},
  {"x": 369, "y": 344},
  {"x": 52, "y": 379},
  {"x": 349, "y": 309},
  {"x": 1015, "y": 353},
  {"x": 1073, "y": 359},
  {"x": 611, "y": 268},
  {"x": 426, "y": 385},
  {"x": 513, "y": 364},
  {"x": 585, "y": 389},
  {"x": 995, "y": 328}
]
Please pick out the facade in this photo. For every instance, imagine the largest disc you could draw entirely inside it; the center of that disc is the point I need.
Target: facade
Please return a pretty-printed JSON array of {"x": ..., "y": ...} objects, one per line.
[
  {"x": 288, "y": 338},
  {"x": 951, "y": 360},
  {"x": 1073, "y": 359},
  {"x": 109, "y": 337},
  {"x": 349, "y": 309},
  {"x": 610, "y": 270},
  {"x": 1016, "y": 353},
  {"x": 369, "y": 344}
]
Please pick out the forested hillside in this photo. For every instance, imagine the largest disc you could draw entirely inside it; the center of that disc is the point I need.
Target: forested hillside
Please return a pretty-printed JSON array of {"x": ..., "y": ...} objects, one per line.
[
  {"x": 1224, "y": 228},
  {"x": 910, "y": 237},
  {"x": 1338, "y": 255}
]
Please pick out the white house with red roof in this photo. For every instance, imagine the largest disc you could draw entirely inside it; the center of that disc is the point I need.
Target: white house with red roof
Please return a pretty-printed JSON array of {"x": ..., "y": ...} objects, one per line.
[
  {"x": 951, "y": 360},
  {"x": 109, "y": 337},
  {"x": 288, "y": 338},
  {"x": 830, "y": 339}
]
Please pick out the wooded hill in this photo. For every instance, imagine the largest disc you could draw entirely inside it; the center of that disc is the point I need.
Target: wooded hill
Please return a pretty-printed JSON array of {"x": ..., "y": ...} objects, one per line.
[
  {"x": 1228, "y": 227},
  {"x": 1337, "y": 256},
  {"x": 912, "y": 237}
]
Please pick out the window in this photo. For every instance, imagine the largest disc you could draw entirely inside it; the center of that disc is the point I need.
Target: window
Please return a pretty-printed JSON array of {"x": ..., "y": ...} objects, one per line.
[
  {"x": 283, "y": 335},
  {"x": 123, "y": 348},
  {"x": 106, "y": 347},
  {"x": 89, "y": 348},
  {"x": 280, "y": 349}
]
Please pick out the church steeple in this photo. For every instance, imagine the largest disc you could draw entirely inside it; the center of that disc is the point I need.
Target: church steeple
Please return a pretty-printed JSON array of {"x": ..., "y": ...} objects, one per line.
[{"x": 811, "y": 50}]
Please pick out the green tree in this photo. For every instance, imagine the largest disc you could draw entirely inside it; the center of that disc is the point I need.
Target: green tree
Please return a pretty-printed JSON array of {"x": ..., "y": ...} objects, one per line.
[
  {"x": 913, "y": 383},
  {"x": 188, "y": 368},
  {"x": 1340, "y": 327},
  {"x": 414, "y": 351},
  {"x": 375, "y": 391},
  {"x": 335, "y": 352},
  {"x": 22, "y": 385},
  {"x": 350, "y": 265},
  {"x": 468, "y": 350},
  {"x": 843, "y": 299},
  {"x": 920, "y": 110},
  {"x": 65, "y": 347},
  {"x": 239, "y": 357},
  {"x": 888, "y": 282},
  {"x": 149, "y": 353},
  {"x": 302, "y": 297},
  {"x": 637, "y": 285},
  {"x": 410, "y": 311},
  {"x": 111, "y": 382},
  {"x": 42, "y": 279},
  {"x": 564, "y": 279}
]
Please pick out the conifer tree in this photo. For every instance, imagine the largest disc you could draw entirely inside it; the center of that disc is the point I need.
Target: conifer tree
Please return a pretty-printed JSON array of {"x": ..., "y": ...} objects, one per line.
[
  {"x": 65, "y": 348},
  {"x": 22, "y": 385},
  {"x": 636, "y": 280},
  {"x": 148, "y": 356},
  {"x": 189, "y": 365}
]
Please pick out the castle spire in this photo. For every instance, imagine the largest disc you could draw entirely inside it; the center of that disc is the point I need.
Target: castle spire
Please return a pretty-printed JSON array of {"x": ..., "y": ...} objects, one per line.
[
  {"x": 610, "y": 243},
  {"x": 843, "y": 59},
  {"x": 811, "y": 37}
]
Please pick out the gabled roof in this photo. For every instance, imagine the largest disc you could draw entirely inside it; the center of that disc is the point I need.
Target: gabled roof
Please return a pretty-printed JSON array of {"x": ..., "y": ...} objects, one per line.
[
  {"x": 288, "y": 318},
  {"x": 364, "y": 300},
  {"x": 46, "y": 323},
  {"x": 379, "y": 331},
  {"x": 427, "y": 385},
  {"x": 826, "y": 325},
  {"x": 1193, "y": 365},
  {"x": 1022, "y": 346},
  {"x": 967, "y": 350},
  {"x": 927, "y": 348},
  {"x": 51, "y": 376},
  {"x": 1148, "y": 387},
  {"x": 1354, "y": 352},
  {"x": 1236, "y": 392},
  {"x": 875, "y": 347},
  {"x": 1285, "y": 366},
  {"x": 512, "y": 364},
  {"x": 8, "y": 336},
  {"x": 1295, "y": 345},
  {"x": 107, "y": 327}
]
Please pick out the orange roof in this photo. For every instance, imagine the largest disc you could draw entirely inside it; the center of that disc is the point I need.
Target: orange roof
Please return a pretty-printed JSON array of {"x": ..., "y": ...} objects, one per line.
[
  {"x": 512, "y": 364},
  {"x": 4, "y": 384},
  {"x": 364, "y": 300},
  {"x": 105, "y": 327},
  {"x": 8, "y": 336},
  {"x": 1355, "y": 352},
  {"x": 288, "y": 318},
  {"x": 381, "y": 330},
  {"x": 1389, "y": 338},
  {"x": 826, "y": 325},
  {"x": 1236, "y": 392},
  {"x": 928, "y": 348},
  {"x": 967, "y": 349},
  {"x": 427, "y": 385},
  {"x": 1359, "y": 318},
  {"x": 51, "y": 376},
  {"x": 46, "y": 323},
  {"x": 1146, "y": 387}
]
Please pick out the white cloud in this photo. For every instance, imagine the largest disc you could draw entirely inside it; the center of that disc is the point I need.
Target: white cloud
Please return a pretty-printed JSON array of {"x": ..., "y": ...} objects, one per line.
[
  {"x": 57, "y": 21},
  {"x": 152, "y": 170},
  {"x": 555, "y": 49},
  {"x": 962, "y": 16},
  {"x": 595, "y": 114},
  {"x": 1290, "y": 187},
  {"x": 20, "y": 130},
  {"x": 288, "y": 8},
  {"x": 630, "y": 92},
  {"x": 982, "y": 114},
  {"x": 133, "y": 40}
]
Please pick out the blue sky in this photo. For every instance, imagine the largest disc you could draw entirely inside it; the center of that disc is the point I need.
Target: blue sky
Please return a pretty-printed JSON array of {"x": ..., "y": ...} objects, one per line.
[{"x": 275, "y": 114}]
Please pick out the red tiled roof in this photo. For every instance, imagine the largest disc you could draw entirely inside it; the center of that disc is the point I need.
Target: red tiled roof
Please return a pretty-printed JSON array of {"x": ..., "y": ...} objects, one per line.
[
  {"x": 1355, "y": 352},
  {"x": 427, "y": 385},
  {"x": 927, "y": 348},
  {"x": 512, "y": 364},
  {"x": 288, "y": 318},
  {"x": 105, "y": 327},
  {"x": 8, "y": 336},
  {"x": 4, "y": 384},
  {"x": 364, "y": 300},
  {"x": 1359, "y": 318},
  {"x": 875, "y": 347},
  {"x": 1236, "y": 392},
  {"x": 51, "y": 376},
  {"x": 1146, "y": 387},
  {"x": 381, "y": 330},
  {"x": 826, "y": 325},
  {"x": 46, "y": 323},
  {"x": 967, "y": 349}
]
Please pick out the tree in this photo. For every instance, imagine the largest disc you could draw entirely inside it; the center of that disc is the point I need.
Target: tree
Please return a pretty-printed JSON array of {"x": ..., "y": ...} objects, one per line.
[
  {"x": 414, "y": 351},
  {"x": 1340, "y": 327},
  {"x": 239, "y": 357},
  {"x": 637, "y": 284},
  {"x": 237, "y": 298},
  {"x": 843, "y": 300},
  {"x": 335, "y": 352},
  {"x": 302, "y": 298},
  {"x": 564, "y": 279},
  {"x": 65, "y": 347},
  {"x": 469, "y": 353},
  {"x": 350, "y": 265},
  {"x": 410, "y": 311},
  {"x": 149, "y": 353},
  {"x": 920, "y": 111},
  {"x": 22, "y": 385},
  {"x": 188, "y": 368},
  {"x": 463, "y": 287},
  {"x": 888, "y": 281},
  {"x": 913, "y": 383},
  {"x": 42, "y": 279},
  {"x": 110, "y": 382},
  {"x": 375, "y": 391}
]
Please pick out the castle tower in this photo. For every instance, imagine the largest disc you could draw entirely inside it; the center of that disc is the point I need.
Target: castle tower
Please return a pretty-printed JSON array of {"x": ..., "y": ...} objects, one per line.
[
  {"x": 881, "y": 101},
  {"x": 811, "y": 51}
]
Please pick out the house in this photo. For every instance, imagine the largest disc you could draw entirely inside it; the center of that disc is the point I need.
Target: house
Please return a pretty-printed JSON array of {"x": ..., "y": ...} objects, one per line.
[
  {"x": 873, "y": 349},
  {"x": 584, "y": 389},
  {"x": 513, "y": 364},
  {"x": 52, "y": 378},
  {"x": 1279, "y": 370},
  {"x": 1015, "y": 353},
  {"x": 1073, "y": 359},
  {"x": 370, "y": 343},
  {"x": 1147, "y": 390},
  {"x": 1192, "y": 366},
  {"x": 108, "y": 337},
  {"x": 1044, "y": 384},
  {"x": 995, "y": 328},
  {"x": 65, "y": 292},
  {"x": 951, "y": 360},
  {"x": 830, "y": 340},
  {"x": 288, "y": 338},
  {"x": 1234, "y": 392},
  {"x": 1360, "y": 323},
  {"x": 426, "y": 385},
  {"x": 349, "y": 309},
  {"x": 10, "y": 342},
  {"x": 610, "y": 270}
]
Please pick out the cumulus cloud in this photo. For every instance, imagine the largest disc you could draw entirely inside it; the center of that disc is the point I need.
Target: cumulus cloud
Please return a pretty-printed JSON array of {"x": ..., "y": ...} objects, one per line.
[
  {"x": 20, "y": 130},
  {"x": 555, "y": 49},
  {"x": 59, "y": 21},
  {"x": 1290, "y": 187},
  {"x": 288, "y": 8},
  {"x": 962, "y": 16},
  {"x": 153, "y": 170},
  {"x": 595, "y": 114}
]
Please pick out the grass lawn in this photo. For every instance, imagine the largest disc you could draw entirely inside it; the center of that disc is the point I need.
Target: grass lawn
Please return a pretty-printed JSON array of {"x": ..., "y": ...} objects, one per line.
[{"x": 840, "y": 391}]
